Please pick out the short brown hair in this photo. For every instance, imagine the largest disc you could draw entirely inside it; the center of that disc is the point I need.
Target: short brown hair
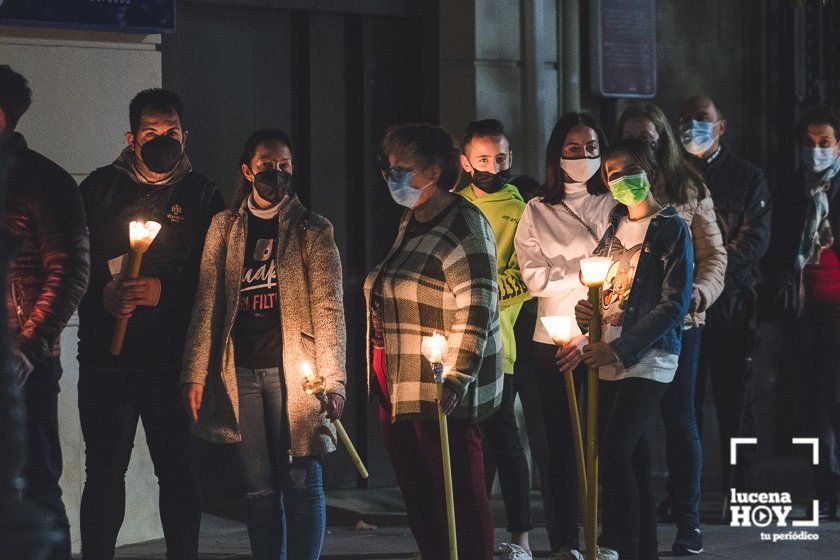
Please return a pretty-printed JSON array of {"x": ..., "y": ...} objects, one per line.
[{"x": 427, "y": 145}]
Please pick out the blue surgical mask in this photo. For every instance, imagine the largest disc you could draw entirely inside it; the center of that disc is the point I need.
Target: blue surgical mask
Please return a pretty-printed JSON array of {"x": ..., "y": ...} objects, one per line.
[
  {"x": 698, "y": 137},
  {"x": 399, "y": 183},
  {"x": 818, "y": 159}
]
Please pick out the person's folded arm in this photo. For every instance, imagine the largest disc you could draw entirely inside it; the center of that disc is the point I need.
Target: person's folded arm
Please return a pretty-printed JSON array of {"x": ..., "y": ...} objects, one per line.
[
  {"x": 542, "y": 276},
  {"x": 709, "y": 254},
  {"x": 752, "y": 239},
  {"x": 61, "y": 232},
  {"x": 669, "y": 313},
  {"x": 470, "y": 272}
]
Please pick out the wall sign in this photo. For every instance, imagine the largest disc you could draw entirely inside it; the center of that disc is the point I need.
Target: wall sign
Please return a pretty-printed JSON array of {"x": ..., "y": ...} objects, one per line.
[
  {"x": 133, "y": 16},
  {"x": 623, "y": 48}
]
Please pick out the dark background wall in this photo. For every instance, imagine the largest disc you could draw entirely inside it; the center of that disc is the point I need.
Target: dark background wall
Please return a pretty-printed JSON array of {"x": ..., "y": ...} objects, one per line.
[
  {"x": 336, "y": 73},
  {"x": 335, "y": 78}
]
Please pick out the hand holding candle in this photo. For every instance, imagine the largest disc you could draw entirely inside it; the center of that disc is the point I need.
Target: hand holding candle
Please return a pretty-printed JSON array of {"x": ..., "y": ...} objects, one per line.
[
  {"x": 315, "y": 385},
  {"x": 141, "y": 235},
  {"x": 434, "y": 348}
]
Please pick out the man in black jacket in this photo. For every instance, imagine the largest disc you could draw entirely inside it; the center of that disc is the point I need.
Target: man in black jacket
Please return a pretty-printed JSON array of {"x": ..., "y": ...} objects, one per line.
[
  {"x": 152, "y": 179},
  {"x": 47, "y": 279},
  {"x": 742, "y": 204}
]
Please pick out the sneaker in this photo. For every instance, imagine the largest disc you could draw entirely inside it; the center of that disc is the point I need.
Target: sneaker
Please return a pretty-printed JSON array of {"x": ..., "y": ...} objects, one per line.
[
  {"x": 605, "y": 553},
  {"x": 566, "y": 553},
  {"x": 688, "y": 542},
  {"x": 515, "y": 552}
]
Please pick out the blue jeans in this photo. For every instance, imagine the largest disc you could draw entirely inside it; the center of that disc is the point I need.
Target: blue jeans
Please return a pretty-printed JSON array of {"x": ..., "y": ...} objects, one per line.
[
  {"x": 286, "y": 514},
  {"x": 682, "y": 438}
]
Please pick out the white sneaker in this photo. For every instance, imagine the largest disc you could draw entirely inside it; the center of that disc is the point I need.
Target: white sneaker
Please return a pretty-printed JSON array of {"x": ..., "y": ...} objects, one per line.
[
  {"x": 607, "y": 553},
  {"x": 566, "y": 553},
  {"x": 515, "y": 552}
]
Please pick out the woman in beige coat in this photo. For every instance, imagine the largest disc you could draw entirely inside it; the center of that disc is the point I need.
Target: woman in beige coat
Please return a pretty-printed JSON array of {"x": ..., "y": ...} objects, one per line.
[
  {"x": 680, "y": 186},
  {"x": 269, "y": 299}
]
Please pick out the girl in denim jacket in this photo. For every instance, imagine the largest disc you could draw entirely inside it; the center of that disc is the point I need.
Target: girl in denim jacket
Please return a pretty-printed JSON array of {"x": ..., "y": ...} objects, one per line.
[{"x": 643, "y": 305}]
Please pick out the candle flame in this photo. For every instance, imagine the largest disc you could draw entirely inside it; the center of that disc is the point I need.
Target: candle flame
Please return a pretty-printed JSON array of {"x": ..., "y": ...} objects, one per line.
[
  {"x": 559, "y": 328},
  {"x": 594, "y": 270},
  {"x": 434, "y": 347},
  {"x": 306, "y": 368},
  {"x": 141, "y": 234}
]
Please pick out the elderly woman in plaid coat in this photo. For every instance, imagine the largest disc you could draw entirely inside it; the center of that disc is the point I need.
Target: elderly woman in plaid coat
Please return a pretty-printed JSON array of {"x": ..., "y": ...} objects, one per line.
[{"x": 440, "y": 276}]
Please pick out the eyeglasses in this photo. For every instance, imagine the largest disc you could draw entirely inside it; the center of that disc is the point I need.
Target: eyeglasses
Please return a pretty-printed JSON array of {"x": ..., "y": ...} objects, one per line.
[{"x": 395, "y": 173}]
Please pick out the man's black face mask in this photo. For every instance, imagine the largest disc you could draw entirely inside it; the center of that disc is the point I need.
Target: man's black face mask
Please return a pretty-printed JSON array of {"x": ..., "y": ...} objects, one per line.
[{"x": 161, "y": 154}]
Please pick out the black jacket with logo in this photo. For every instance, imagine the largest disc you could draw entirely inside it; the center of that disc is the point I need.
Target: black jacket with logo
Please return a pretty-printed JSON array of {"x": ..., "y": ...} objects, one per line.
[
  {"x": 49, "y": 272},
  {"x": 742, "y": 204},
  {"x": 155, "y": 335}
]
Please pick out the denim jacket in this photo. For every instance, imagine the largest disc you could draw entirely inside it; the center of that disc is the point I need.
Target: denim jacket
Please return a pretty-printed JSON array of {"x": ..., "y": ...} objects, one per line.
[{"x": 661, "y": 292}]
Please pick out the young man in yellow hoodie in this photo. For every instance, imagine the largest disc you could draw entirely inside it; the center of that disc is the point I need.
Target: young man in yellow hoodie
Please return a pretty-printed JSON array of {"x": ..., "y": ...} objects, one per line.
[{"x": 487, "y": 159}]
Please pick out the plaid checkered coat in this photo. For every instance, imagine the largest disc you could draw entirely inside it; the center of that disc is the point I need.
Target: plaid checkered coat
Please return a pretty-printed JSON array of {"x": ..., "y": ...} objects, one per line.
[{"x": 443, "y": 280}]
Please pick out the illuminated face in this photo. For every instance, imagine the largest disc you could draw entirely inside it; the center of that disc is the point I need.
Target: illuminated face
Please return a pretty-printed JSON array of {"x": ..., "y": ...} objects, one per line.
[
  {"x": 424, "y": 180},
  {"x": 821, "y": 136},
  {"x": 620, "y": 165},
  {"x": 268, "y": 156},
  {"x": 487, "y": 153},
  {"x": 153, "y": 125},
  {"x": 581, "y": 142},
  {"x": 641, "y": 128}
]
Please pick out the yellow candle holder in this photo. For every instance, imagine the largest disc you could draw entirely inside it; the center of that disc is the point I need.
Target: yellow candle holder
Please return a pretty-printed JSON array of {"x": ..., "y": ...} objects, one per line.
[
  {"x": 140, "y": 235},
  {"x": 315, "y": 385},
  {"x": 434, "y": 348}
]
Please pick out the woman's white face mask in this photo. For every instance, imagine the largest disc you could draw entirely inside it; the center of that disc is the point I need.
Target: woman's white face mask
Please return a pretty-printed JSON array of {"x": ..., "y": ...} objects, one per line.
[{"x": 580, "y": 170}]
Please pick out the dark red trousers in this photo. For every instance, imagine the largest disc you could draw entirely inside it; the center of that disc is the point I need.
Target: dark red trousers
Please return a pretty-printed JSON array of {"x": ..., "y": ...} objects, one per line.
[{"x": 414, "y": 448}]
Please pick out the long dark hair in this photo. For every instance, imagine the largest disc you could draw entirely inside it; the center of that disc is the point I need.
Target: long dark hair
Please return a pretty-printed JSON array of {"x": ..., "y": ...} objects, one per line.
[
  {"x": 679, "y": 180},
  {"x": 554, "y": 189},
  {"x": 243, "y": 185},
  {"x": 639, "y": 153}
]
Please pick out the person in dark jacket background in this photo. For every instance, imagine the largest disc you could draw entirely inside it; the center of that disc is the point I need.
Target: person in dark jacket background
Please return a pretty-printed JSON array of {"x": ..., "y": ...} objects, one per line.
[
  {"x": 152, "y": 179},
  {"x": 47, "y": 279},
  {"x": 804, "y": 265},
  {"x": 742, "y": 204}
]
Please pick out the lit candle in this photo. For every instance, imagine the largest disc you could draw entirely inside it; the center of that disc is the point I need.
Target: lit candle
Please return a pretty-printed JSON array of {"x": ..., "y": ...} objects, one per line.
[
  {"x": 314, "y": 385},
  {"x": 594, "y": 270},
  {"x": 140, "y": 237},
  {"x": 434, "y": 348},
  {"x": 559, "y": 328}
]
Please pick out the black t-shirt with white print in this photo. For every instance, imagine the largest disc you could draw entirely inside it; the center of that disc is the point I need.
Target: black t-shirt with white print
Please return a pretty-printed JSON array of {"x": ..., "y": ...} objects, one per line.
[{"x": 256, "y": 332}]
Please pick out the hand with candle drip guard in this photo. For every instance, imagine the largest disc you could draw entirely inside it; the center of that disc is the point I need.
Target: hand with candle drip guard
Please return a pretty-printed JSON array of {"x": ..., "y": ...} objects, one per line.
[{"x": 570, "y": 355}]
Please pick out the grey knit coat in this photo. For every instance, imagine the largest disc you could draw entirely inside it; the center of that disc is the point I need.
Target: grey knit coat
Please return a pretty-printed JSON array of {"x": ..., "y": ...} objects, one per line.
[{"x": 312, "y": 319}]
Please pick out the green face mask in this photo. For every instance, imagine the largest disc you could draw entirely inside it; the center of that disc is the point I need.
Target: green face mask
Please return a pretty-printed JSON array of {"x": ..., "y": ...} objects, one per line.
[{"x": 630, "y": 190}]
